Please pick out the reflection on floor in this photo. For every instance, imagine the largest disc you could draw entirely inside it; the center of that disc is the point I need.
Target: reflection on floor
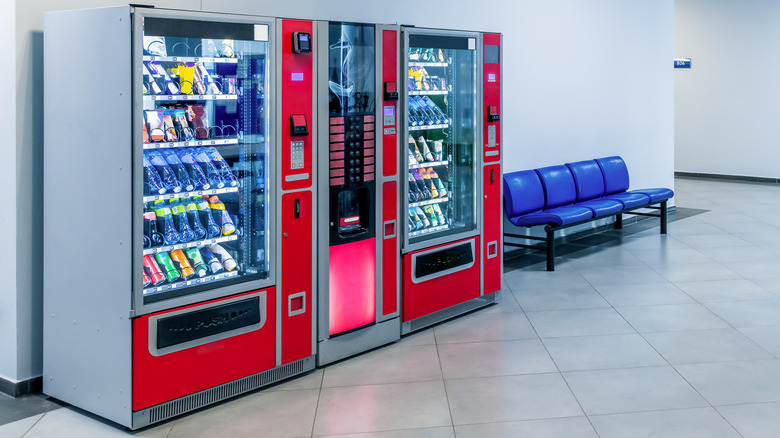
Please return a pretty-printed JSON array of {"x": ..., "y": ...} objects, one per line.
[{"x": 634, "y": 334}]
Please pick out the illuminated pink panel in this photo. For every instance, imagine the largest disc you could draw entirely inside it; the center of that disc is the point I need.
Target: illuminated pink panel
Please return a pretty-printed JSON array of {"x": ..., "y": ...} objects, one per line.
[{"x": 352, "y": 285}]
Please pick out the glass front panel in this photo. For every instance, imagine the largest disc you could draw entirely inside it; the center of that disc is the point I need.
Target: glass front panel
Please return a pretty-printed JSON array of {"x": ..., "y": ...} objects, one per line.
[
  {"x": 205, "y": 155},
  {"x": 441, "y": 115}
]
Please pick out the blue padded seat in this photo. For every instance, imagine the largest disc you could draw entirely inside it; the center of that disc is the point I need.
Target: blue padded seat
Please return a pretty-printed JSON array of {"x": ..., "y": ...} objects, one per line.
[
  {"x": 630, "y": 200},
  {"x": 616, "y": 180},
  {"x": 560, "y": 193},
  {"x": 589, "y": 182},
  {"x": 526, "y": 210}
]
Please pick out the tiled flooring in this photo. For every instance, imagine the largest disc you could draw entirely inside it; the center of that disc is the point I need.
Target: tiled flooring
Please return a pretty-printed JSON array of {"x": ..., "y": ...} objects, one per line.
[{"x": 635, "y": 335}]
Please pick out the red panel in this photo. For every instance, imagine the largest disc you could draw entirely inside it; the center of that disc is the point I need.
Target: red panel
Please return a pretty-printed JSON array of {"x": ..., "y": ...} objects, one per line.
[
  {"x": 157, "y": 379},
  {"x": 351, "y": 285},
  {"x": 390, "y": 74},
  {"x": 492, "y": 96},
  {"x": 420, "y": 299},
  {"x": 389, "y": 249},
  {"x": 297, "y": 98},
  {"x": 297, "y": 276},
  {"x": 491, "y": 233}
]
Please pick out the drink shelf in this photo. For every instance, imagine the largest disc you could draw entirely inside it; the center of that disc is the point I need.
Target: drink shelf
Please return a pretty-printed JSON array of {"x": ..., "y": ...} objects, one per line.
[
  {"x": 428, "y": 164},
  {"x": 429, "y": 201},
  {"x": 180, "y": 195},
  {"x": 195, "y": 281},
  {"x": 192, "y": 244},
  {"x": 428, "y": 93},
  {"x": 428, "y": 64},
  {"x": 428, "y": 230},
  {"x": 191, "y": 59},
  {"x": 187, "y": 97},
  {"x": 427, "y": 127},
  {"x": 189, "y": 144}
]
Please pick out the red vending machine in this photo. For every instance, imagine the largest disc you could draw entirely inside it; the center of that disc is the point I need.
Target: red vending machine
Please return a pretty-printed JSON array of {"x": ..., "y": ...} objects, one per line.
[
  {"x": 184, "y": 138},
  {"x": 358, "y": 188},
  {"x": 451, "y": 253}
]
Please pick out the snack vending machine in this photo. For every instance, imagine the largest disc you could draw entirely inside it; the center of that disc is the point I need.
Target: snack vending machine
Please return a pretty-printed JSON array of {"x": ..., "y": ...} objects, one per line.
[
  {"x": 179, "y": 291},
  {"x": 451, "y": 255},
  {"x": 358, "y": 209}
]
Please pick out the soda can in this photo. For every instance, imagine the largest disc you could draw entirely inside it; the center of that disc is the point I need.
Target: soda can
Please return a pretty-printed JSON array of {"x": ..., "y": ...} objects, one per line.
[
  {"x": 196, "y": 259},
  {"x": 181, "y": 262},
  {"x": 171, "y": 273},
  {"x": 147, "y": 280},
  {"x": 155, "y": 274}
]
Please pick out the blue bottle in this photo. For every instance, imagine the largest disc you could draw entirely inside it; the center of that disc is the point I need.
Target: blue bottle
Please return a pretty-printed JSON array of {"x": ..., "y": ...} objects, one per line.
[
  {"x": 169, "y": 179},
  {"x": 204, "y": 210},
  {"x": 180, "y": 220},
  {"x": 165, "y": 218},
  {"x": 181, "y": 171},
  {"x": 208, "y": 168},
  {"x": 435, "y": 108},
  {"x": 222, "y": 166},
  {"x": 194, "y": 218},
  {"x": 153, "y": 184},
  {"x": 199, "y": 178}
]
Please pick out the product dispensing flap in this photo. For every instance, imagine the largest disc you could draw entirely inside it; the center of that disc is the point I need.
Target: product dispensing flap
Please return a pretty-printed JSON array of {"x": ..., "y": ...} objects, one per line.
[{"x": 298, "y": 125}]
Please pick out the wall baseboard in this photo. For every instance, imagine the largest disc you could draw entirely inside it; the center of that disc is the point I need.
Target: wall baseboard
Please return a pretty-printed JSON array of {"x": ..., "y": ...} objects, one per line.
[
  {"x": 736, "y": 178},
  {"x": 20, "y": 388}
]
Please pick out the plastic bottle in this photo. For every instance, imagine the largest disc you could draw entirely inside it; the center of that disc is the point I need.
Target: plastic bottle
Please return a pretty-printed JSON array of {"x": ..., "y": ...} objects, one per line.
[
  {"x": 222, "y": 166},
  {"x": 208, "y": 168},
  {"x": 153, "y": 270},
  {"x": 197, "y": 262},
  {"x": 182, "y": 264},
  {"x": 180, "y": 221},
  {"x": 166, "y": 264},
  {"x": 228, "y": 227},
  {"x": 440, "y": 116},
  {"x": 199, "y": 178},
  {"x": 421, "y": 214},
  {"x": 167, "y": 174},
  {"x": 212, "y": 229},
  {"x": 421, "y": 185},
  {"x": 227, "y": 260},
  {"x": 169, "y": 233},
  {"x": 180, "y": 169},
  {"x": 154, "y": 234},
  {"x": 194, "y": 218},
  {"x": 153, "y": 184},
  {"x": 211, "y": 260}
]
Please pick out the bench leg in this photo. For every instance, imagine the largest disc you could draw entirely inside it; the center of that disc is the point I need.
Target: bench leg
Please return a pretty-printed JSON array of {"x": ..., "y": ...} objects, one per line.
[
  {"x": 663, "y": 217},
  {"x": 619, "y": 221},
  {"x": 550, "y": 249}
]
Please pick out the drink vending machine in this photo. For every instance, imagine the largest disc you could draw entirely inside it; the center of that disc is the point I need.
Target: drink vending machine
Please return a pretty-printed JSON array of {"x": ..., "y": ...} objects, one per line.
[
  {"x": 189, "y": 137},
  {"x": 358, "y": 244},
  {"x": 451, "y": 249}
]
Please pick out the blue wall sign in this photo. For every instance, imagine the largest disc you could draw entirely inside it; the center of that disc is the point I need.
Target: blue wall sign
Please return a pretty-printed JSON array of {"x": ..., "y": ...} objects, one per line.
[{"x": 682, "y": 62}]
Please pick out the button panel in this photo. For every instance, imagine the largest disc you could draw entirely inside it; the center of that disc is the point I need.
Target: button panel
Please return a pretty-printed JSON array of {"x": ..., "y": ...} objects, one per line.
[
  {"x": 296, "y": 155},
  {"x": 351, "y": 150}
]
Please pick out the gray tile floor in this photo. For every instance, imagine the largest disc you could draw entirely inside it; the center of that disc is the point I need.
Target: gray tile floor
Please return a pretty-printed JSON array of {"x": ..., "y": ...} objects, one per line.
[{"x": 635, "y": 335}]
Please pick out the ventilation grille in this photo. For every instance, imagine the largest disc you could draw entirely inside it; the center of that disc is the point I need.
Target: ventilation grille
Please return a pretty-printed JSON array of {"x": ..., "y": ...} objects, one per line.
[{"x": 216, "y": 394}]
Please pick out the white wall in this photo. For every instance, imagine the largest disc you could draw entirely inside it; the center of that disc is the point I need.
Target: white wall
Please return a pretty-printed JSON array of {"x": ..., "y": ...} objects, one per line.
[
  {"x": 727, "y": 106},
  {"x": 582, "y": 79}
]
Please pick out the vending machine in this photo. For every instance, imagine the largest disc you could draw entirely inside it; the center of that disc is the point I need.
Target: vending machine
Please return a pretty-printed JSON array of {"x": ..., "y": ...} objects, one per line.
[
  {"x": 358, "y": 246},
  {"x": 187, "y": 138},
  {"x": 451, "y": 249}
]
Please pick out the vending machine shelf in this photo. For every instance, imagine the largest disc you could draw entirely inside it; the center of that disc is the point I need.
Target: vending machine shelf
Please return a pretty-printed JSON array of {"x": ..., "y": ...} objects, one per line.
[
  {"x": 193, "y": 244},
  {"x": 190, "y": 144},
  {"x": 428, "y": 64},
  {"x": 429, "y": 93},
  {"x": 180, "y": 195},
  {"x": 428, "y": 230},
  {"x": 192, "y": 59},
  {"x": 171, "y": 286},
  {"x": 429, "y": 201},
  {"x": 427, "y": 127},
  {"x": 429, "y": 164},
  {"x": 187, "y": 97}
]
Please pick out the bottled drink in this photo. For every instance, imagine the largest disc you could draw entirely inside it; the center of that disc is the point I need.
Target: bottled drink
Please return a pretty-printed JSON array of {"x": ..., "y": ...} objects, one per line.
[
  {"x": 180, "y": 221},
  {"x": 208, "y": 168},
  {"x": 211, "y": 260},
  {"x": 424, "y": 149},
  {"x": 169, "y": 233},
  {"x": 414, "y": 192},
  {"x": 421, "y": 184},
  {"x": 153, "y": 184},
  {"x": 428, "y": 116},
  {"x": 197, "y": 175},
  {"x": 441, "y": 117},
  {"x": 437, "y": 181},
  {"x": 428, "y": 209},
  {"x": 153, "y": 270},
  {"x": 154, "y": 235},
  {"x": 182, "y": 264},
  {"x": 222, "y": 166},
  {"x": 227, "y": 260},
  {"x": 422, "y": 116},
  {"x": 429, "y": 183},
  {"x": 169, "y": 179},
  {"x": 439, "y": 215},
  {"x": 167, "y": 266},
  {"x": 414, "y": 148},
  {"x": 181, "y": 171},
  {"x": 421, "y": 214},
  {"x": 197, "y": 262},
  {"x": 194, "y": 218},
  {"x": 418, "y": 223},
  {"x": 212, "y": 229},
  {"x": 228, "y": 227}
]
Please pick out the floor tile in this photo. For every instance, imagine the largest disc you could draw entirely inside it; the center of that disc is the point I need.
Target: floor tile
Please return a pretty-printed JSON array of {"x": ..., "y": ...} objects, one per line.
[
  {"x": 424, "y": 337},
  {"x": 655, "y": 257},
  {"x": 767, "y": 338},
  {"x": 392, "y": 364},
  {"x": 681, "y": 423},
  {"x": 671, "y": 317},
  {"x": 310, "y": 380},
  {"x": 632, "y": 390},
  {"x": 748, "y": 313},
  {"x": 68, "y": 423},
  {"x": 602, "y": 352},
  {"x": 725, "y": 290},
  {"x": 760, "y": 420},
  {"x": 572, "y": 427},
  {"x": 621, "y": 275},
  {"x": 373, "y": 408},
  {"x": 521, "y": 279},
  {"x": 24, "y": 406},
  {"x": 730, "y": 383},
  {"x": 510, "y": 398},
  {"x": 770, "y": 284},
  {"x": 705, "y": 346},
  {"x": 485, "y": 326},
  {"x": 18, "y": 428},
  {"x": 712, "y": 241},
  {"x": 765, "y": 268},
  {"x": 560, "y": 299},
  {"x": 431, "y": 432},
  {"x": 696, "y": 272},
  {"x": 566, "y": 323},
  {"x": 278, "y": 414},
  {"x": 736, "y": 253},
  {"x": 600, "y": 256},
  {"x": 643, "y": 294},
  {"x": 498, "y": 358}
]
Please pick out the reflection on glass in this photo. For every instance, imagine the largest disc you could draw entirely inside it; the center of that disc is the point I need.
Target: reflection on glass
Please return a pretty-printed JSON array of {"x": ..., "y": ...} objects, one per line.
[{"x": 351, "y": 69}]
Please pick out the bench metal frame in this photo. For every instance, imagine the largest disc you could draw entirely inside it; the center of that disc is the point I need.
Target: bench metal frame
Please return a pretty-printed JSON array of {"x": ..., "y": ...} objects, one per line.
[{"x": 549, "y": 240}]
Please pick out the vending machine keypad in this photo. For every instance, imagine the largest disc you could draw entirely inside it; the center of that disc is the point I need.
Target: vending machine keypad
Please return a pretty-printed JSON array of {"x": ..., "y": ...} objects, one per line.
[{"x": 296, "y": 155}]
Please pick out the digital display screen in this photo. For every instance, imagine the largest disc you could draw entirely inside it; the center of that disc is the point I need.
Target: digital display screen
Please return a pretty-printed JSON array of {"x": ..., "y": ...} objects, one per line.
[
  {"x": 389, "y": 111},
  {"x": 491, "y": 54}
]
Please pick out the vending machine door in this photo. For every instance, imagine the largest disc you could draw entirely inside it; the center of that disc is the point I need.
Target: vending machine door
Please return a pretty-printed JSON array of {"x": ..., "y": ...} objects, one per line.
[
  {"x": 203, "y": 193},
  {"x": 441, "y": 119}
]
